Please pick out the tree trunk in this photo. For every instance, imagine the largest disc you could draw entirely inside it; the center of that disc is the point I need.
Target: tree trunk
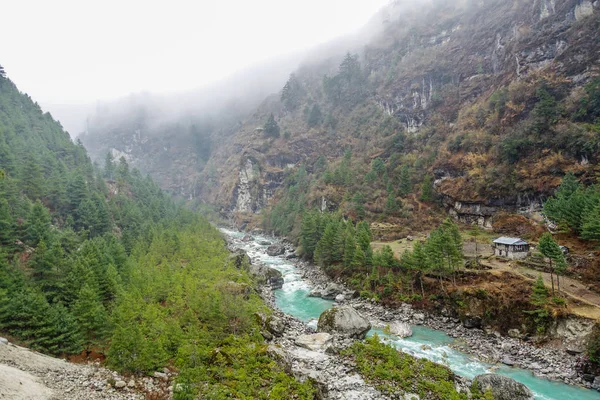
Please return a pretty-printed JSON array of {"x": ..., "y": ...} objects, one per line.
[
  {"x": 552, "y": 277},
  {"x": 421, "y": 281}
]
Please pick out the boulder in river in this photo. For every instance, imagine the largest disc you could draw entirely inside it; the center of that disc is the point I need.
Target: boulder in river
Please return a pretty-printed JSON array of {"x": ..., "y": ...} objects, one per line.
[
  {"x": 275, "y": 250},
  {"x": 315, "y": 342},
  {"x": 264, "y": 243},
  {"x": 240, "y": 259},
  {"x": 267, "y": 275},
  {"x": 345, "y": 321},
  {"x": 247, "y": 238},
  {"x": 503, "y": 387},
  {"x": 331, "y": 291},
  {"x": 400, "y": 329}
]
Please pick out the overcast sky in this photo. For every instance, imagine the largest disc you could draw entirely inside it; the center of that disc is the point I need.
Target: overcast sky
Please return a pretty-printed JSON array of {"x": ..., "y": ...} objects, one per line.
[{"x": 79, "y": 51}]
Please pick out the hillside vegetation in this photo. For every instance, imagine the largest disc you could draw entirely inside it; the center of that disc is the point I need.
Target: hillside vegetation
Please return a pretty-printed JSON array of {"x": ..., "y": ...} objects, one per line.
[{"x": 102, "y": 261}]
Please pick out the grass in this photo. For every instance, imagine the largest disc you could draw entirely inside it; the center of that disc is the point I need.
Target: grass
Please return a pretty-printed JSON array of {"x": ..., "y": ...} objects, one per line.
[{"x": 394, "y": 372}]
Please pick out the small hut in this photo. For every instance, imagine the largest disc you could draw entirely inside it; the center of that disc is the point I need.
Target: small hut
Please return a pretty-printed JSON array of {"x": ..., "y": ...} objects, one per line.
[{"x": 512, "y": 248}]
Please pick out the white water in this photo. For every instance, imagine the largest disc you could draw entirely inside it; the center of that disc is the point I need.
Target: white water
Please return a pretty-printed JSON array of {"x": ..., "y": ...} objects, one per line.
[{"x": 426, "y": 343}]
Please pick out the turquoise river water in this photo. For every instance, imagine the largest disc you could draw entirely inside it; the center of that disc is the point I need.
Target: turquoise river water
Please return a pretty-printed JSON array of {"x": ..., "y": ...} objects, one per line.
[{"x": 428, "y": 343}]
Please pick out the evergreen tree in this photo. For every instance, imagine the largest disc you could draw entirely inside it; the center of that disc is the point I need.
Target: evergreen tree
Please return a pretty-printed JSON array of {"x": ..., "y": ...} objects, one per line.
[
  {"x": 109, "y": 166},
  {"x": 591, "y": 225},
  {"x": 291, "y": 95},
  {"x": 77, "y": 191},
  {"x": 8, "y": 234},
  {"x": 391, "y": 204},
  {"x": 337, "y": 250},
  {"x": 90, "y": 314},
  {"x": 358, "y": 202},
  {"x": 32, "y": 179},
  {"x": 38, "y": 224},
  {"x": 539, "y": 299},
  {"x": 427, "y": 188},
  {"x": 420, "y": 262},
  {"x": 550, "y": 249},
  {"x": 360, "y": 258},
  {"x": 405, "y": 187},
  {"x": 271, "y": 128},
  {"x": 315, "y": 117},
  {"x": 349, "y": 250}
]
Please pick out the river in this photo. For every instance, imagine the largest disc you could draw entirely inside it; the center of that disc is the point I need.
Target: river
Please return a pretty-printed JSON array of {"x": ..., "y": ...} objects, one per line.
[{"x": 428, "y": 343}]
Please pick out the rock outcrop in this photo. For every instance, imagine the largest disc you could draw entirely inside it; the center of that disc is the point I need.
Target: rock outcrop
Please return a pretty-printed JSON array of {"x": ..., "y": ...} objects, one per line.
[
  {"x": 503, "y": 387},
  {"x": 345, "y": 321}
]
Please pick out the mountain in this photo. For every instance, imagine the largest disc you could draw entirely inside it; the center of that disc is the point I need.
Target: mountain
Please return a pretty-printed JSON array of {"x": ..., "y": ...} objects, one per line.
[
  {"x": 482, "y": 97},
  {"x": 102, "y": 263}
]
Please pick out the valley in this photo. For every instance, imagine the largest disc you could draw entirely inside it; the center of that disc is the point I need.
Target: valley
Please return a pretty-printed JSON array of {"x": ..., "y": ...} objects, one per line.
[{"x": 410, "y": 211}]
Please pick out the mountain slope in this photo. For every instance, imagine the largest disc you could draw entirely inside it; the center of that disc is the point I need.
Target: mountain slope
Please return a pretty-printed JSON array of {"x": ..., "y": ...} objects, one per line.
[
  {"x": 102, "y": 263},
  {"x": 481, "y": 96}
]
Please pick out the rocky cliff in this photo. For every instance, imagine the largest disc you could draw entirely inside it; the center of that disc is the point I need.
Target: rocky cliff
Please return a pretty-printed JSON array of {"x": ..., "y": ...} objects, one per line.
[{"x": 481, "y": 95}]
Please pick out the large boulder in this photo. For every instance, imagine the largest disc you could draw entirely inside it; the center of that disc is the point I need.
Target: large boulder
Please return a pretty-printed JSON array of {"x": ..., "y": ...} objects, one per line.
[
  {"x": 472, "y": 322},
  {"x": 316, "y": 342},
  {"x": 400, "y": 329},
  {"x": 240, "y": 259},
  {"x": 503, "y": 387},
  {"x": 345, "y": 321},
  {"x": 275, "y": 250},
  {"x": 329, "y": 292},
  {"x": 267, "y": 275}
]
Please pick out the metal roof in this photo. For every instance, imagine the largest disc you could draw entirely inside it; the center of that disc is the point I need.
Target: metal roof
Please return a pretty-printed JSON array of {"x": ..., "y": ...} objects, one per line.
[{"x": 510, "y": 241}]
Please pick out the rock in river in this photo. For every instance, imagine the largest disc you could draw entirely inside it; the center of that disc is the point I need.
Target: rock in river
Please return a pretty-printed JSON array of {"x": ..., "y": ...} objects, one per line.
[
  {"x": 275, "y": 250},
  {"x": 267, "y": 275},
  {"x": 400, "y": 329},
  {"x": 345, "y": 321},
  {"x": 503, "y": 387}
]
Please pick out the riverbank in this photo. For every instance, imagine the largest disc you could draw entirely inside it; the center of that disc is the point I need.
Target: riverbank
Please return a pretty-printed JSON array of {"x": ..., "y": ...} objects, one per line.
[{"x": 489, "y": 348}]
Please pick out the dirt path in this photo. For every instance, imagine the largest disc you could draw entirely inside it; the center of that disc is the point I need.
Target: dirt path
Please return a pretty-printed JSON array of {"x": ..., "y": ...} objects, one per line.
[{"x": 584, "y": 302}]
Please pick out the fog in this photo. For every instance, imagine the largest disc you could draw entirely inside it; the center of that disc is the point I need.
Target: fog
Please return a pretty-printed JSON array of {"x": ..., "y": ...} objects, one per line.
[{"x": 71, "y": 53}]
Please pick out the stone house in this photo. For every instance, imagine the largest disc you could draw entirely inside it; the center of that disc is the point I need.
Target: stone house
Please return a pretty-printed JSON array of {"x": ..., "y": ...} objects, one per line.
[{"x": 512, "y": 248}]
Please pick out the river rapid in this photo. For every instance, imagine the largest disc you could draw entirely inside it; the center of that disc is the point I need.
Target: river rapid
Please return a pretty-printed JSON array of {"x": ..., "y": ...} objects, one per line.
[{"x": 293, "y": 299}]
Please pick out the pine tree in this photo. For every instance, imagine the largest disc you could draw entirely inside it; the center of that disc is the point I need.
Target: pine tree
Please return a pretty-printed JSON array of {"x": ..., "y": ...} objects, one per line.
[
  {"x": 32, "y": 179},
  {"x": 360, "y": 258},
  {"x": 349, "y": 250},
  {"x": 309, "y": 234},
  {"x": 86, "y": 217},
  {"x": 427, "y": 188},
  {"x": 38, "y": 224},
  {"x": 292, "y": 93},
  {"x": 77, "y": 191},
  {"x": 109, "y": 166},
  {"x": 391, "y": 204},
  {"x": 550, "y": 249},
  {"x": 315, "y": 117},
  {"x": 358, "y": 202},
  {"x": 591, "y": 225},
  {"x": 90, "y": 314},
  {"x": 420, "y": 262},
  {"x": 405, "y": 187},
  {"x": 337, "y": 250},
  {"x": 7, "y": 226},
  {"x": 539, "y": 299},
  {"x": 271, "y": 128}
]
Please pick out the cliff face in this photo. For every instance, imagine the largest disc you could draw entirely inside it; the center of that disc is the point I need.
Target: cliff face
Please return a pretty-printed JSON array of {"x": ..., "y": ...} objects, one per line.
[{"x": 479, "y": 94}]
